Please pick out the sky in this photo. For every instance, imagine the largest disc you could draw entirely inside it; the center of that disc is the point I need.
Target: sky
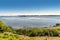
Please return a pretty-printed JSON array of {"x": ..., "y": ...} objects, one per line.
[{"x": 29, "y": 7}]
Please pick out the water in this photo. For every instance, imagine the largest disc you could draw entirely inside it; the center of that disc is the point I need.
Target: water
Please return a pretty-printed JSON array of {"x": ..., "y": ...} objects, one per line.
[{"x": 40, "y": 21}]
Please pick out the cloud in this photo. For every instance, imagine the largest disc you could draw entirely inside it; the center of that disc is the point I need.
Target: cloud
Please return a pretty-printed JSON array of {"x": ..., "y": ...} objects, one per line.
[{"x": 43, "y": 12}]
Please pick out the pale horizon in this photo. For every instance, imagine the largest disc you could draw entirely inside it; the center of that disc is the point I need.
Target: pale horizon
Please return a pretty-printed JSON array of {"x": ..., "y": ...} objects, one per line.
[{"x": 29, "y": 7}]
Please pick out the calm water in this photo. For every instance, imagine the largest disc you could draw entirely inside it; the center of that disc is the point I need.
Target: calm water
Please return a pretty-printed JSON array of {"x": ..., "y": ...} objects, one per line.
[{"x": 31, "y": 21}]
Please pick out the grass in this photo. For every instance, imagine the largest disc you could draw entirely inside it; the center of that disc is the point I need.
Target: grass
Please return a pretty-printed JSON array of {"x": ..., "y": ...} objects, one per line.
[
  {"x": 46, "y": 38},
  {"x": 39, "y": 38},
  {"x": 10, "y": 36}
]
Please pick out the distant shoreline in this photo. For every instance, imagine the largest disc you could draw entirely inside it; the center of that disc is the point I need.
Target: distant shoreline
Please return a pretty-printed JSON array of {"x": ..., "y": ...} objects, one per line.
[{"x": 28, "y": 15}]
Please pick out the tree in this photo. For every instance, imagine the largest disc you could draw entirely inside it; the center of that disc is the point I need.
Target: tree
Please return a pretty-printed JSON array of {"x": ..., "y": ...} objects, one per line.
[{"x": 57, "y": 24}]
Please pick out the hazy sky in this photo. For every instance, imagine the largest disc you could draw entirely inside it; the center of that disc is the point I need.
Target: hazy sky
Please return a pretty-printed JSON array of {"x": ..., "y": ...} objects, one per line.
[{"x": 45, "y": 7}]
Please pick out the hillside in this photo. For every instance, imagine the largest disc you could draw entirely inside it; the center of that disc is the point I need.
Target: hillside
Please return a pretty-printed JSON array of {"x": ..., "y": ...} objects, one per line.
[{"x": 4, "y": 27}]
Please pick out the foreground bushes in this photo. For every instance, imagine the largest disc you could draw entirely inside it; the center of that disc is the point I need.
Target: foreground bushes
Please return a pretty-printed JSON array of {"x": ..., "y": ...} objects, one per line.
[
  {"x": 38, "y": 32},
  {"x": 8, "y": 36},
  {"x": 11, "y": 36}
]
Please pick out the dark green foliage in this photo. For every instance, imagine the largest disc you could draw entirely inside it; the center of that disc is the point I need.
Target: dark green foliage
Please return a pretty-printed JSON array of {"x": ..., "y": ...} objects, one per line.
[
  {"x": 57, "y": 24},
  {"x": 38, "y": 32}
]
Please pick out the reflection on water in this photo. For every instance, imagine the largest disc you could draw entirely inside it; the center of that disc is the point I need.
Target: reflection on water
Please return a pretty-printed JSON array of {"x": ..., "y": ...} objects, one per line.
[{"x": 31, "y": 21}]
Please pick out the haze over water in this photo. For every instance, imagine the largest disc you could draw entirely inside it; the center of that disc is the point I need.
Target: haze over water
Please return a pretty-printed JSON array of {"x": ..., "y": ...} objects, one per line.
[{"x": 40, "y": 21}]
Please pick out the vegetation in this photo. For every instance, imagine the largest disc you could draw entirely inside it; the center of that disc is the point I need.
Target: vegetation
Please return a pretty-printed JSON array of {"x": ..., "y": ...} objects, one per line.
[
  {"x": 39, "y": 32},
  {"x": 11, "y": 36},
  {"x": 46, "y": 31},
  {"x": 8, "y": 33},
  {"x": 4, "y": 27},
  {"x": 58, "y": 24}
]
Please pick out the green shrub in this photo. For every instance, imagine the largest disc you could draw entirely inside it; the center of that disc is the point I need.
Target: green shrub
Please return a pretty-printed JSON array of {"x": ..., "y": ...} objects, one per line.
[{"x": 39, "y": 32}]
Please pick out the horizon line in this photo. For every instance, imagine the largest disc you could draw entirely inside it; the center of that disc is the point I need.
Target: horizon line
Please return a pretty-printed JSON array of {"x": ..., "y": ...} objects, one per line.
[{"x": 29, "y": 14}]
